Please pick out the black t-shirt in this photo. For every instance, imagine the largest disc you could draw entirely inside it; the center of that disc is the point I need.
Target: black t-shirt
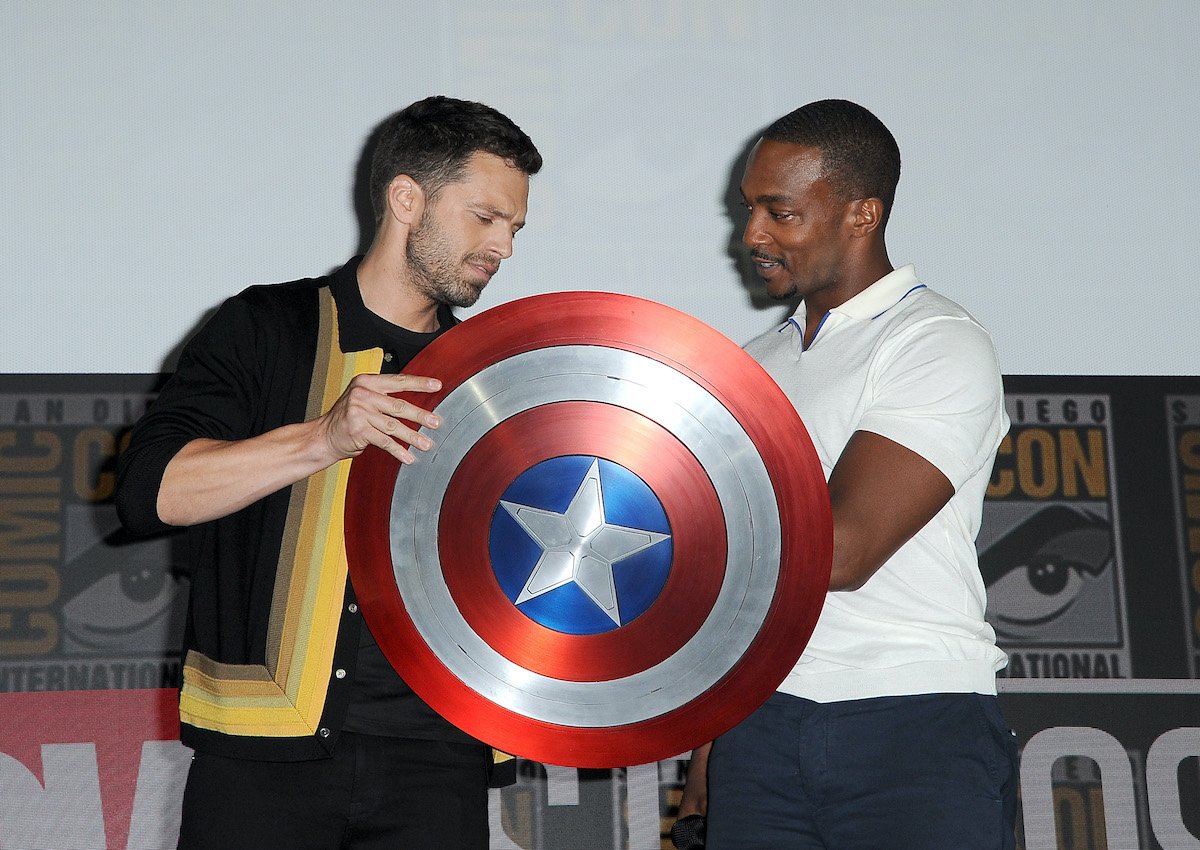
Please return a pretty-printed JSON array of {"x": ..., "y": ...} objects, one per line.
[{"x": 381, "y": 703}]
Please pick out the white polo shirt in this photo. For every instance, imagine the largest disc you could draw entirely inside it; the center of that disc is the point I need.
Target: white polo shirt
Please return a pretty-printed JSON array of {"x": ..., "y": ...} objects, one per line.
[{"x": 901, "y": 361}]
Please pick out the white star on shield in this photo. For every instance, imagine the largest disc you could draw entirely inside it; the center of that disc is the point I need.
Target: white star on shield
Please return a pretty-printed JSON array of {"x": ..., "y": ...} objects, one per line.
[{"x": 580, "y": 545}]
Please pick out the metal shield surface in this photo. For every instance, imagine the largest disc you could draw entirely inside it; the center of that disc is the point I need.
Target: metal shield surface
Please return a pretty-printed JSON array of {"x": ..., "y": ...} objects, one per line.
[{"x": 619, "y": 545}]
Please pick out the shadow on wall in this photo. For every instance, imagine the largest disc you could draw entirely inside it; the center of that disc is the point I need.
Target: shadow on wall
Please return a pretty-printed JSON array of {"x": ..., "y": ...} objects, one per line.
[
  {"x": 736, "y": 213},
  {"x": 731, "y": 199},
  {"x": 364, "y": 214}
]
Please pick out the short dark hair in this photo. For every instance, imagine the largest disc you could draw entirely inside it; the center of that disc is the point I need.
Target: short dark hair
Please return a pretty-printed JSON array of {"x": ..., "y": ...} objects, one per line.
[
  {"x": 432, "y": 139},
  {"x": 859, "y": 155}
]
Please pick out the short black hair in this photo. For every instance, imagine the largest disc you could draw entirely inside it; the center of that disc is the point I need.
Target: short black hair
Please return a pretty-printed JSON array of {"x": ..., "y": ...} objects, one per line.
[
  {"x": 432, "y": 139},
  {"x": 859, "y": 155}
]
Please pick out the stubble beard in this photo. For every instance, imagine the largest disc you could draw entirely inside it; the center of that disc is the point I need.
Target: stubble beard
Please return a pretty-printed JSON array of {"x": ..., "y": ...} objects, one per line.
[
  {"x": 791, "y": 290},
  {"x": 791, "y": 285},
  {"x": 435, "y": 272}
]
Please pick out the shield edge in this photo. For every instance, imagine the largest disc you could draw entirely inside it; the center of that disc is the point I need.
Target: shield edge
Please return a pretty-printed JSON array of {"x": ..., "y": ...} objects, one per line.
[{"x": 729, "y": 374}]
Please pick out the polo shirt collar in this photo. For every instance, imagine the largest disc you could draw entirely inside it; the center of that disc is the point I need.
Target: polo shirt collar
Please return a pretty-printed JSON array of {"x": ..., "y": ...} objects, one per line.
[
  {"x": 882, "y": 295},
  {"x": 871, "y": 303}
]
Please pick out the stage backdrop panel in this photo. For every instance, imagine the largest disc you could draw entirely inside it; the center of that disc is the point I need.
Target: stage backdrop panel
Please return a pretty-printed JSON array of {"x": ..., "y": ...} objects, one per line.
[
  {"x": 1090, "y": 548},
  {"x": 158, "y": 157}
]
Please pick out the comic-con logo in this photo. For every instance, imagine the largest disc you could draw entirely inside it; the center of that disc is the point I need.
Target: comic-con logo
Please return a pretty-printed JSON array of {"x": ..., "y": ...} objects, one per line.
[
  {"x": 1183, "y": 417},
  {"x": 1049, "y": 542},
  {"x": 82, "y": 605}
]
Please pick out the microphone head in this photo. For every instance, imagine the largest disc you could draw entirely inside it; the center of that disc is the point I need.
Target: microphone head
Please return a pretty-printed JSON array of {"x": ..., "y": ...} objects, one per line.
[{"x": 688, "y": 832}]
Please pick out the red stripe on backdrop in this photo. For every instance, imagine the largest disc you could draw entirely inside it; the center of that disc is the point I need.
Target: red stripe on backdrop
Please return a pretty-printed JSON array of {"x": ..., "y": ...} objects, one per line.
[{"x": 118, "y": 723}]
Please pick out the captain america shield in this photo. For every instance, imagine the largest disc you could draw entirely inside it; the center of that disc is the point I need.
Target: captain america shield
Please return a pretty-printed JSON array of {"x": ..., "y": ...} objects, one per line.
[{"x": 618, "y": 546}]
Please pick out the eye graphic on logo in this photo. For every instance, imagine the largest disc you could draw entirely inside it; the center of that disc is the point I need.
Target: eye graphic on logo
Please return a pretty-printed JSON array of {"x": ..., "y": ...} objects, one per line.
[
  {"x": 122, "y": 595},
  {"x": 1050, "y": 577}
]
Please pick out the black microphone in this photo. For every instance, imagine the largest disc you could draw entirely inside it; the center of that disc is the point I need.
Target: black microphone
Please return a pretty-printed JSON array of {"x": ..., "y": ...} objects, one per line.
[{"x": 688, "y": 832}]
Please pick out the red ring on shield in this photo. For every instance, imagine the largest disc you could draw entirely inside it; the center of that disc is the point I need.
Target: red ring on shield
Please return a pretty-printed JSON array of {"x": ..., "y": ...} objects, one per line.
[
  {"x": 614, "y": 434},
  {"x": 703, "y": 355}
]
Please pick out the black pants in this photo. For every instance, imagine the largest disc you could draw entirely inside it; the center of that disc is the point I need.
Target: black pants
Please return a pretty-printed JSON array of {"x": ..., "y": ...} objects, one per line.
[
  {"x": 375, "y": 792},
  {"x": 923, "y": 772}
]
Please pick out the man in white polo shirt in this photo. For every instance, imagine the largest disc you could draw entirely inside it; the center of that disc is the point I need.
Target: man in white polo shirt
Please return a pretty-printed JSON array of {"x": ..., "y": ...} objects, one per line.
[{"x": 887, "y": 733}]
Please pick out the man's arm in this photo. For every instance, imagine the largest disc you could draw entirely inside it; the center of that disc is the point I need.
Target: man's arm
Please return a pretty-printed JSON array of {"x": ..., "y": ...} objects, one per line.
[
  {"x": 882, "y": 494},
  {"x": 209, "y": 479},
  {"x": 695, "y": 786},
  {"x": 689, "y": 827}
]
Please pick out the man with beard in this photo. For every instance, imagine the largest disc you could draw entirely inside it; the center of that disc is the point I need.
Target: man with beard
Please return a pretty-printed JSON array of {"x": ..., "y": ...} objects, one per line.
[
  {"x": 887, "y": 732},
  {"x": 304, "y": 735}
]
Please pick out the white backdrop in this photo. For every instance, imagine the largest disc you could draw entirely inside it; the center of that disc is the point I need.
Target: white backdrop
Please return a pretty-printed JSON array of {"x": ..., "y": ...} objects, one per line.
[{"x": 159, "y": 157}]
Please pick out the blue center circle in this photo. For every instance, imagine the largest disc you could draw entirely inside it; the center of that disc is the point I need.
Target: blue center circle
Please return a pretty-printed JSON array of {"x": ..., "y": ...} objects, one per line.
[{"x": 539, "y": 557}]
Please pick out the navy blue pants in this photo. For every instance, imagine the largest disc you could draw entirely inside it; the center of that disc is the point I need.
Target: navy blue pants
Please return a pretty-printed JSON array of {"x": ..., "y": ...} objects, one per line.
[
  {"x": 375, "y": 792},
  {"x": 927, "y": 772}
]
